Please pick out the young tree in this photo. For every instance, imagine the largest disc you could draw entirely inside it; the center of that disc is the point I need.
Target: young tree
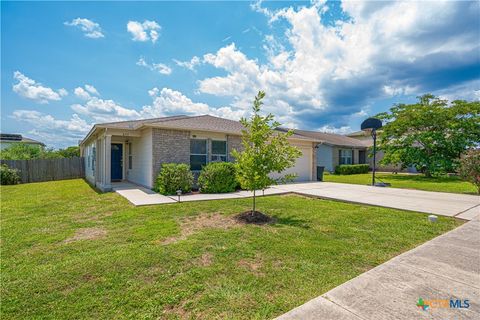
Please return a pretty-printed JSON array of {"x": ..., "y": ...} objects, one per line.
[
  {"x": 430, "y": 134},
  {"x": 469, "y": 168},
  {"x": 265, "y": 151}
]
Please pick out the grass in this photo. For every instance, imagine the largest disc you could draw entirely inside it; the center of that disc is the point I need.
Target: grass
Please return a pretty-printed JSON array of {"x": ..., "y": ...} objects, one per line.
[
  {"x": 136, "y": 270},
  {"x": 408, "y": 181}
]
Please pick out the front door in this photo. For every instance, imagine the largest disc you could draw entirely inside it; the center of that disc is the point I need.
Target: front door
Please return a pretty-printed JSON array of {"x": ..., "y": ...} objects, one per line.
[
  {"x": 116, "y": 165},
  {"x": 361, "y": 157}
]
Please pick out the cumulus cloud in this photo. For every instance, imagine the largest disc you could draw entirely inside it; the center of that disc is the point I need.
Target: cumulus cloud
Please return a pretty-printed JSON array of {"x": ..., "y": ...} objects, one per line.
[
  {"x": 51, "y": 130},
  {"x": 30, "y": 89},
  {"x": 90, "y": 29},
  {"x": 158, "y": 67},
  {"x": 326, "y": 72},
  {"x": 167, "y": 102},
  {"x": 85, "y": 94},
  {"x": 144, "y": 31},
  {"x": 104, "y": 110},
  {"x": 190, "y": 65}
]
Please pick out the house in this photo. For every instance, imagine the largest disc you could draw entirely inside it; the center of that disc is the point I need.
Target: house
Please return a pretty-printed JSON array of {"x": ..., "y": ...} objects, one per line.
[
  {"x": 135, "y": 150},
  {"x": 7, "y": 139},
  {"x": 335, "y": 149},
  {"x": 367, "y": 140}
]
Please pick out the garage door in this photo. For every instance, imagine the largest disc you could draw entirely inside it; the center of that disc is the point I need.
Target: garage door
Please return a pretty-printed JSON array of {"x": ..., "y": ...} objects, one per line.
[{"x": 302, "y": 167}]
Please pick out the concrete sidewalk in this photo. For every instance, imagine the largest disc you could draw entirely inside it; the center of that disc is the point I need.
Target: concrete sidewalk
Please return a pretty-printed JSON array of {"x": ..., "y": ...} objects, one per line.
[{"x": 447, "y": 267}]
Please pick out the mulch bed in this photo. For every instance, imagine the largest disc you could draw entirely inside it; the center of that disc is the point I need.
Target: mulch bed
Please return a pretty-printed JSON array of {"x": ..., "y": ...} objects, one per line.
[{"x": 254, "y": 217}]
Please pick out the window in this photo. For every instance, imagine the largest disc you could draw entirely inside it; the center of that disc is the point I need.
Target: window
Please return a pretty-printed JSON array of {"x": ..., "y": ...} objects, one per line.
[
  {"x": 94, "y": 158},
  {"x": 219, "y": 151},
  {"x": 130, "y": 156},
  {"x": 198, "y": 154},
  {"x": 346, "y": 156}
]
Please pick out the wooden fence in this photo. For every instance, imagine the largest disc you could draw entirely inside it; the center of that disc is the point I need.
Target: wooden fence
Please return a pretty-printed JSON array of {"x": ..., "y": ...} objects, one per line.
[{"x": 48, "y": 169}]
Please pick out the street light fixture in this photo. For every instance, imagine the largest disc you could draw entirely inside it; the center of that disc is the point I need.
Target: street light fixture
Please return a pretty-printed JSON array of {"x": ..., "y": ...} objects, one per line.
[{"x": 372, "y": 125}]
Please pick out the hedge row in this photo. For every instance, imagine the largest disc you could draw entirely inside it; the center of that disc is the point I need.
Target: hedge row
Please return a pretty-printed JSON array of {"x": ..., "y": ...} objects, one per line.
[
  {"x": 351, "y": 168},
  {"x": 215, "y": 177}
]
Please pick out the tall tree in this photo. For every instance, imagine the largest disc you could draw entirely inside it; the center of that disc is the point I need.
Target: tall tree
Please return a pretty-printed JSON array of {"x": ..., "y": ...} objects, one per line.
[
  {"x": 265, "y": 151},
  {"x": 430, "y": 134}
]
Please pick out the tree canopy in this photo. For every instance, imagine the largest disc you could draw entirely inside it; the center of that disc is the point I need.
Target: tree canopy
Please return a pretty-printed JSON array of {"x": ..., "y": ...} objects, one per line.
[
  {"x": 25, "y": 151},
  {"x": 430, "y": 134}
]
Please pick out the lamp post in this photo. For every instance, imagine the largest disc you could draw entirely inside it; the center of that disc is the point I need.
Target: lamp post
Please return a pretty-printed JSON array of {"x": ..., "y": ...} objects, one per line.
[
  {"x": 372, "y": 125},
  {"x": 179, "y": 193}
]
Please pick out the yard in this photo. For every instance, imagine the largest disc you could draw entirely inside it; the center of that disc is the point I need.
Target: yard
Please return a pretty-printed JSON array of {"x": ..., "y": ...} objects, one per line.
[
  {"x": 408, "y": 181},
  {"x": 69, "y": 252}
]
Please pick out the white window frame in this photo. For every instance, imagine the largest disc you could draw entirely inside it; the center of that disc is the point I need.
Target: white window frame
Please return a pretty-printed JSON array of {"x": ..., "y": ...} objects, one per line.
[
  {"x": 217, "y": 157},
  {"x": 199, "y": 154},
  {"x": 346, "y": 156}
]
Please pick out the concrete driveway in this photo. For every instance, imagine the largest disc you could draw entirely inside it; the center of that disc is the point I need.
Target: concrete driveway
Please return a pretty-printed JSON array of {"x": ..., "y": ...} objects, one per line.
[
  {"x": 441, "y": 203},
  {"x": 447, "y": 204}
]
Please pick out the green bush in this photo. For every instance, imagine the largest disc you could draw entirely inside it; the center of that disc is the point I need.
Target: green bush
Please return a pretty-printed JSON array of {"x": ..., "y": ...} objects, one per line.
[
  {"x": 217, "y": 177},
  {"x": 8, "y": 176},
  {"x": 173, "y": 177},
  {"x": 351, "y": 168}
]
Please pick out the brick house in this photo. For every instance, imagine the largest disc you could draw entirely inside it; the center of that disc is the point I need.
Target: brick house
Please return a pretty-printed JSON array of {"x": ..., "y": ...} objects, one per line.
[{"x": 135, "y": 150}]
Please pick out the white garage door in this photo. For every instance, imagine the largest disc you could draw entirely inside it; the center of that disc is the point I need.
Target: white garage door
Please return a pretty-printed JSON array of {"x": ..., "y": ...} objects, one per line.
[{"x": 302, "y": 167}]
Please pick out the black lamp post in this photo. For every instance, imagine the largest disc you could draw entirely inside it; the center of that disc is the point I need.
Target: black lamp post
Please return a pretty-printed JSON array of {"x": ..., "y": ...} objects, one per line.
[{"x": 372, "y": 125}]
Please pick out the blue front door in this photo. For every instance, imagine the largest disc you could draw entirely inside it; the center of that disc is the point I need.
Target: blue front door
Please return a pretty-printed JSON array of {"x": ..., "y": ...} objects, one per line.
[{"x": 116, "y": 165}]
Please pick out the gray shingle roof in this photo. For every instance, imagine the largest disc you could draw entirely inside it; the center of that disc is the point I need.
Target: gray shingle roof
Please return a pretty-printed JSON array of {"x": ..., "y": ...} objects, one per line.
[
  {"x": 332, "y": 138},
  {"x": 216, "y": 124}
]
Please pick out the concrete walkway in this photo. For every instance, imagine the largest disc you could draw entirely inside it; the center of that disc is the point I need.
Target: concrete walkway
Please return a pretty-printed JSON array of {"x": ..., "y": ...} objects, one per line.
[
  {"x": 139, "y": 195},
  {"x": 447, "y": 204},
  {"x": 447, "y": 267}
]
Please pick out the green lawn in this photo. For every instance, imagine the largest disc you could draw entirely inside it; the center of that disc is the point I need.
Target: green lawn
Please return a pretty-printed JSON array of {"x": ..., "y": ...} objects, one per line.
[
  {"x": 408, "y": 181},
  {"x": 185, "y": 260}
]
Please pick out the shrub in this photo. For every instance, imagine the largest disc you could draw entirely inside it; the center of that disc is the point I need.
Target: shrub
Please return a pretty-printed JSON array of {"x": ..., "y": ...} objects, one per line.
[
  {"x": 469, "y": 169},
  {"x": 351, "y": 168},
  {"x": 173, "y": 177},
  {"x": 217, "y": 177},
  {"x": 8, "y": 176}
]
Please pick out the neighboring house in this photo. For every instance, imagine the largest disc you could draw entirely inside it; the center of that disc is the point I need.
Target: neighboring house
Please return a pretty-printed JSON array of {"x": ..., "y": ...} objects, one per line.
[
  {"x": 335, "y": 149},
  {"x": 135, "y": 150},
  {"x": 7, "y": 139},
  {"x": 367, "y": 140}
]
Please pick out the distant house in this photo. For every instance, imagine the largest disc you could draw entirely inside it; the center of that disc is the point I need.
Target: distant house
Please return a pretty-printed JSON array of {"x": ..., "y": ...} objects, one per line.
[
  {"x": 7, "y": 139},
  {"x": 367, "y": 140},
  {"x": 135, "y": 150},
  {"x": 336, "y": 149}
]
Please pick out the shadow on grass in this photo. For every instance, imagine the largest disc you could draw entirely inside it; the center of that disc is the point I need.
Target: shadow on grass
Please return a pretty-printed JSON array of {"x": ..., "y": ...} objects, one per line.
[{"x": 290, "y": 221}]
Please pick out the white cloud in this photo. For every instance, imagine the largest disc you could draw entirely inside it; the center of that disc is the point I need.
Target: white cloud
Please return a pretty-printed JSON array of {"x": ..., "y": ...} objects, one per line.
[
  {"x": 144, "y": 31},
  {"x": 326, "y": 72},
  {"x": 90, "y": 29},
  {"x": 33, "y": 90},
  {"x": 190, "y": 65},
  {"x": 91, "y": 89},
  {"x": 332, "y": 129},
  {"x": 101, "y": 110},
  {"x": 51, "y": 130},
  {"x": 170, "y": 102},
  {"x": 158, "y": 67}
]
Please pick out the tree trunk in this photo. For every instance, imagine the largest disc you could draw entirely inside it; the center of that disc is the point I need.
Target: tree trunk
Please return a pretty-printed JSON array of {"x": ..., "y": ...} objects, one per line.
[{"x": 253, "y": 201}]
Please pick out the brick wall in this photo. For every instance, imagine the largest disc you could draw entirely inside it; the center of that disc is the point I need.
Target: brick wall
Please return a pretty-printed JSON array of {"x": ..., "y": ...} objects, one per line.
[
  {"x": 233, "y": 142},
  {"x": 169, "y": 146}
]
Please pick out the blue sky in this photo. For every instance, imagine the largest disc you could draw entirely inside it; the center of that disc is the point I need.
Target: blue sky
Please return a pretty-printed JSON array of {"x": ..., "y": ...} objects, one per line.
[{"x": 324, "y": 65}]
